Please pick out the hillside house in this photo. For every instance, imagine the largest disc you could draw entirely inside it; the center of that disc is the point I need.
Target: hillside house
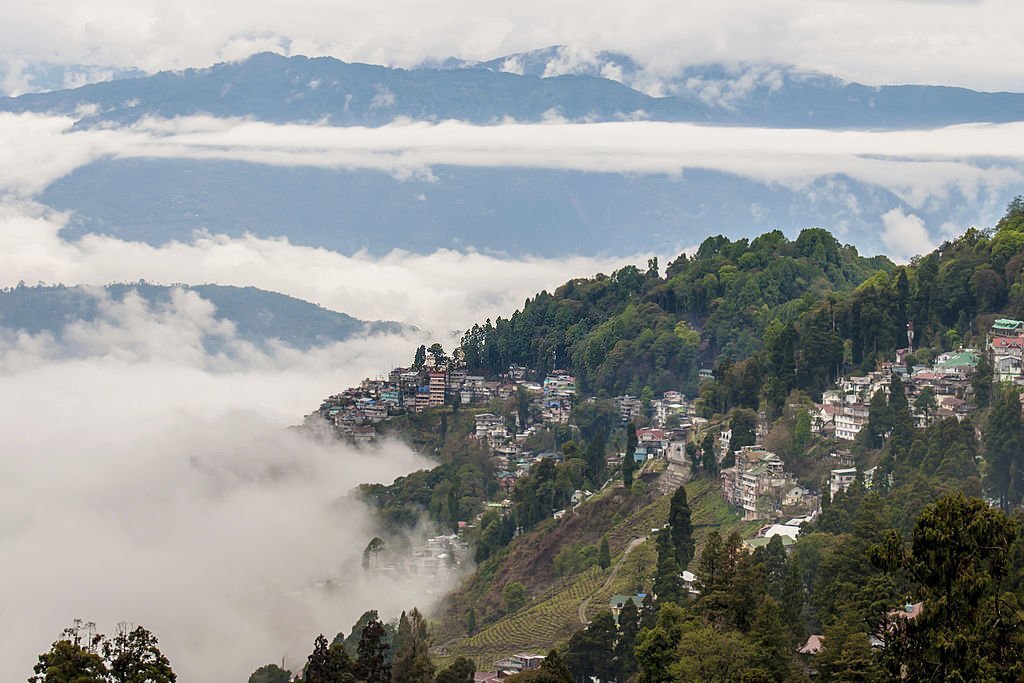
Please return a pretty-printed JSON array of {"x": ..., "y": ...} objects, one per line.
[
  {"x": 630, "y": 408},
  {"x": 757, "y": 482},
  {"x": 486, "y": 423},
  {"x": 850, "y": 420},
  {"x": 617, "y": 602},
  {"x": 960, "y": 362},
  {"x": 840, "y": 479},
  {"x": 653, "y": 441}
]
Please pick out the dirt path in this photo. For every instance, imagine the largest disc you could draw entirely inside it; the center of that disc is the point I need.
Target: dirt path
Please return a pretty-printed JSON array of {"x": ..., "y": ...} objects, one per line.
[{"x": 582, "y": 613}]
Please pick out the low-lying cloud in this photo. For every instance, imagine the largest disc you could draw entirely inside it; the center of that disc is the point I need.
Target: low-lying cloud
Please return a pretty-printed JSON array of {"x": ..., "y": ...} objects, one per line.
[
  {"x": 147, "y": 481},
  {"x": 915, "y": 165},
  {"x": 440, "y": 292}
]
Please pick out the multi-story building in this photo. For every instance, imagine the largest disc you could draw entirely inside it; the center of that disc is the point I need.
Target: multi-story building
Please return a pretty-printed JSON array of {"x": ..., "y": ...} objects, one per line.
[
  {"x": 850, "y": 420},
  {"x": 630, "y": 408},
  {"x": 486, "y": 423},
  {"x": 1006, "y": 343},
  {"x": 438, "y": 386},
  {"x": 840, "y": 480},
  {"x": 758, "y": 479}
]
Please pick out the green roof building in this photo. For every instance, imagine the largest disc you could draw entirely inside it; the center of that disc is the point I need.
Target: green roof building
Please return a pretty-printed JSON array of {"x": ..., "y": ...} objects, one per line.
[
  {"x": 960, "y": 361},
  {"x": 1007, "y": 327}
]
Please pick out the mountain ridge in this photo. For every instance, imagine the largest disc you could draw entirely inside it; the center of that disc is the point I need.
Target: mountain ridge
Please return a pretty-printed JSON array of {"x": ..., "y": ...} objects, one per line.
[
  {"x": 259, "y": 316},
  {"x": 276, "y": 88}
]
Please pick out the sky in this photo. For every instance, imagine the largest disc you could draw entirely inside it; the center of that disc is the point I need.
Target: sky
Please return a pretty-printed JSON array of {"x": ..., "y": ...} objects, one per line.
[{"x": 973, "y": 43}]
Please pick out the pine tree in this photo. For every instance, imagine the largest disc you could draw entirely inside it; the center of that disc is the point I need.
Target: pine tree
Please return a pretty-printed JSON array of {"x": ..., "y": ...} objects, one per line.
[
  {"x": 69, "y": 662},
  {"x": 957, "y": 560},
  {"x": 681, "y": 528},
  {"x": 412, "y": 658},
  {"x": 318, "y": 664},
  {"x": 271, "y": 673},
  {"x": 902, "y": 435},
  {"x": 629, "y": 459},
  {"x": 846, "y": 653},
  {"x": 459, "y": 671},
  {"x": 709, "y": 458},
  {"x": 629, "y": 629},
  {"x": 604, "y": 554},
  {"x": 372, "y": 664},
  {"x": 1004, "y": 449},
  {"x": 133, "y": 656},
  {"x": 589, "y": 651},
  {"x": 471, "y": 622},
  {"x": 982, "y": 381},
  {"x": 879, "y": 420},
  {"x": 596, "y": 460},
  {"x": 771, "y": 639},
  {"x": 420, "y": 358},
  {"x": 556, "y": 668},
  {"x": 667, "y": 583}
]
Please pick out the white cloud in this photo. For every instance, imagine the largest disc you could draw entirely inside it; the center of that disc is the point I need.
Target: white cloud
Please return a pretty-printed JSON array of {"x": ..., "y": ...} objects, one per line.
[
  {"x": 916, "y": 165},
  {"x": 875, "y": 41},
  {"x": 905, "y": 235},
  {"x": 512, "y": 65},
  {"x": 439, "y": 292},
  {"x": 383, "y": 98},
  {"x": 147, "y": 481}
]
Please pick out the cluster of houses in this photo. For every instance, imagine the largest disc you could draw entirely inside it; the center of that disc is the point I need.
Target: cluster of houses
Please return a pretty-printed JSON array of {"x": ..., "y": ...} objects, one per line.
[
  {"x": 843, "y": 411},
  {"x": 759, "y": 485},
  {"x": 353, "y": 412},
  {"x": 506, "y": 436}
]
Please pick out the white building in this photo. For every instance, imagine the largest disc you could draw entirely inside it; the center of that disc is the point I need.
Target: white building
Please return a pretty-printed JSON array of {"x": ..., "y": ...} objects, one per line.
[{"x": 850, "y": 420}]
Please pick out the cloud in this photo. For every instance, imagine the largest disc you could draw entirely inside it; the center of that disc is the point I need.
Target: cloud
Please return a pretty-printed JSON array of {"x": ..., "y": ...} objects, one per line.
[
  {"x": 915, "y": 165},
  {"x": 150, "y": 482},
  {"x": 905, "y": 235},
  {"x": 439, "y": 292},
  {"x": 874, "y": 41}
]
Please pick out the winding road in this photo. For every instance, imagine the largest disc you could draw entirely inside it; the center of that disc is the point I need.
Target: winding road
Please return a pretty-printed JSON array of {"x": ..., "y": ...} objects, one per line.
[{"x": 615, "y": 571}]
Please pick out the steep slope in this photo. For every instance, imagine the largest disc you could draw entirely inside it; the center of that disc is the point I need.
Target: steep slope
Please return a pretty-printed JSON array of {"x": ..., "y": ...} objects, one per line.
[{"x": 552, "y": 613}]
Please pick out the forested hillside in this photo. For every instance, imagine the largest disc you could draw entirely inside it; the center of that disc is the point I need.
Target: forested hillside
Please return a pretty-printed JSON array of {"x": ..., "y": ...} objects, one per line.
[
  {"x": 780, "y": 321},
  {"x": 636, "y": 329}
]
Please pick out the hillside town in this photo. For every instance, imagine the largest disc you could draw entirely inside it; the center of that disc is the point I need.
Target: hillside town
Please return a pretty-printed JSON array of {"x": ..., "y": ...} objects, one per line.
[{"x": 756, "y": 484}]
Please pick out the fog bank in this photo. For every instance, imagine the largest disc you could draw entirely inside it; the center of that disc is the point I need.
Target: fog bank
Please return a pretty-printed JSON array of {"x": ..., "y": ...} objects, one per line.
[{"x": 148, "y": 482}]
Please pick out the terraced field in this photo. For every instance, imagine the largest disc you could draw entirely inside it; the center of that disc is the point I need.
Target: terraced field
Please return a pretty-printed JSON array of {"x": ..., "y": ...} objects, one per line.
[{"x": 549, "y": 619}]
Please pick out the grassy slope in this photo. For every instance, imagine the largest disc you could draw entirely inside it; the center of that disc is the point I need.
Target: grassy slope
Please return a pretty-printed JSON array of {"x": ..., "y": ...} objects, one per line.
[{"x": 551, "y": 616}]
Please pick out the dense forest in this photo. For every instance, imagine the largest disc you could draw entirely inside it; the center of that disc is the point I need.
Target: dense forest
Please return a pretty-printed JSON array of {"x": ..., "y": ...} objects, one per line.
[{"x": 636, "y": 329}]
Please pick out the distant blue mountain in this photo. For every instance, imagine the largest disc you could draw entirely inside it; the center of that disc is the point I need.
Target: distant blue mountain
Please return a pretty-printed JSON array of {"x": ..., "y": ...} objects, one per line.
[
  {"x": 512, "y": 210},
  {"x": 259, "y": 316},
  {"x": 516, "y": 211},
  {"x": 280, "y": 89}
]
